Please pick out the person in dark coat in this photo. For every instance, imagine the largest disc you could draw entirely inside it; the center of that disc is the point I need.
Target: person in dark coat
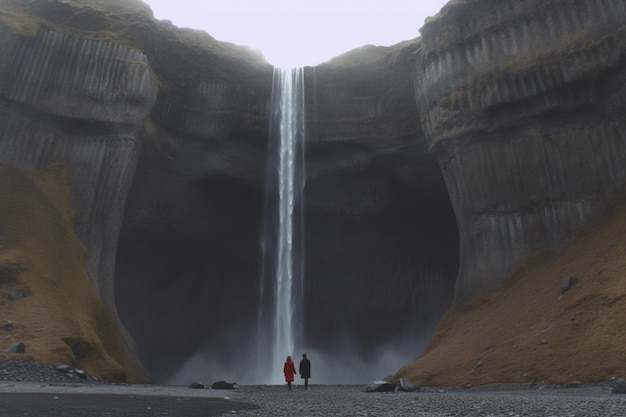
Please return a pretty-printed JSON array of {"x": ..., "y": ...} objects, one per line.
[
  {"x": 305, "y": 370},
  {"x": 289, "y": 369}
]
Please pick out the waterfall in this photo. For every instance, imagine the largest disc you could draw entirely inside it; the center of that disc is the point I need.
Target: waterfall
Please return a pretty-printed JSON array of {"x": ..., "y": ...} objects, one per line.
[{"x": 281, "y": 283}]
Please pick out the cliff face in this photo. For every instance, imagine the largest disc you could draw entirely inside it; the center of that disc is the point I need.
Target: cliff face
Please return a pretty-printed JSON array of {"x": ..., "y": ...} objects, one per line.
[
  {"x": 84, "y": 83},
  {"x": 380, "y": 235},
  {"x": 77, "y": 101},
  {"x": 523, "y": 104},
  {"x": 498, "y": 132},
  {"x": 47, "y": 301},
  {"x": 164, "y": 133},
  {"x": 188, "y": 255},
  {"x": 379, "y": 228}
]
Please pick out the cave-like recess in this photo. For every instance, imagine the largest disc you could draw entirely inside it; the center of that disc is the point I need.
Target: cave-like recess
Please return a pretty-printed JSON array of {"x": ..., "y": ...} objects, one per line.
[{"x": 380, "y": 235}]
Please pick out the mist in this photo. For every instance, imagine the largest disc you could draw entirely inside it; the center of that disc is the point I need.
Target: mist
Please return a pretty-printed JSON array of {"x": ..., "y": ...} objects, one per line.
[{"x": 342, "y": 366}]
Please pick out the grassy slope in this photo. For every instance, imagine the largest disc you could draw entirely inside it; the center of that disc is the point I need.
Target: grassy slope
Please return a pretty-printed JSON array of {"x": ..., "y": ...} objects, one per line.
[
  {"x": 61, "y": 319},
  {"x": 498, "y": 338}
]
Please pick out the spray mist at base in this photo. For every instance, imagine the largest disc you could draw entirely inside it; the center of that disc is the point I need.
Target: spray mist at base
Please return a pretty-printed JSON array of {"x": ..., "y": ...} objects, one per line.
[{"x": 342, "y": 366}]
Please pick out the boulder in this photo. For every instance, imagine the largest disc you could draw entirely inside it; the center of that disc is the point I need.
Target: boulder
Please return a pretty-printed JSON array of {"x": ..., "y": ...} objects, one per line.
[
  {"x": 619, "y": 386},
  {"x": 80, "y": 373},
  {"x": 567, "y": 284},
  {"x": 17, "y": 348},
  {"x": 381, "y": 386},
  {"x": 224, "y": 385},
  {"x": 405, "y": 385},
  {"x": 573, "y": 384},
  {"x": 63, "y": 367}
]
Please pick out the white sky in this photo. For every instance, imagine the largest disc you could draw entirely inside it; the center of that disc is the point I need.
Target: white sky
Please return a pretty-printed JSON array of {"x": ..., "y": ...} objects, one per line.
[{"x": 293, "y": 33}]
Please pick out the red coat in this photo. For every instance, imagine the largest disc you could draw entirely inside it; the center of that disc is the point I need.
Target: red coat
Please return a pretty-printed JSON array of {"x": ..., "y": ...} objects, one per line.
[{"x": 289, "y": 369}]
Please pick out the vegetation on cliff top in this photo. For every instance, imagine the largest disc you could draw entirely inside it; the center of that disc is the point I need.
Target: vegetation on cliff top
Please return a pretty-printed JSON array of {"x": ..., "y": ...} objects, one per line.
[{"x": 178, "y": 57}]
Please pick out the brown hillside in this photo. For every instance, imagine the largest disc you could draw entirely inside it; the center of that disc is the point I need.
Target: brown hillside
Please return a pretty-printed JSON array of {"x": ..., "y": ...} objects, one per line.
[
  {"x": 528, "y": 331},
  {"x": 60, "y": 319}
]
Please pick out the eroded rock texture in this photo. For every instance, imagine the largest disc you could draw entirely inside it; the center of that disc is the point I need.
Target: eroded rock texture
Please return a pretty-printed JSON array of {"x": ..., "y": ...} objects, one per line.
[
  {"x": 380, "y": 234},
  {"x": 523, "y": 103},
  {"x": 188, "y": 258},
  {"x": 78, "y": 102},
  {"x": 97, "y": 86},
  {"x": 380, "y": 237},
  {"x": 506, "y": 117}
]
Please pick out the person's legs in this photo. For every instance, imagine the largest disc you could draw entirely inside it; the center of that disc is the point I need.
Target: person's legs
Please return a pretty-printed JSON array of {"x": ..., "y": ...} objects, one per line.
[
  {"x": 306, "y": 383},
  {"x": 289, "y": 385}
]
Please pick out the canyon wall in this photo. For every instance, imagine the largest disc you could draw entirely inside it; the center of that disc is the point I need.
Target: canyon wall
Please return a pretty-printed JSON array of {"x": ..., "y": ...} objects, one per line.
[
  {"x": 164, "y": 133},
  {"x": 188, "y": 255},
  {"x": 78, "y": 102},
  {"x": 82, "y": 85},
  {"x": 523, "y": 104},
  {"x": 381, "y": 238},
  {"x": 497, "y": 133}
]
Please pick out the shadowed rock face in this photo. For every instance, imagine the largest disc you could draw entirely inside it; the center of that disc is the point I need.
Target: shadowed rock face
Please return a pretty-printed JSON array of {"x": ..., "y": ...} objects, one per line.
[
  {"x": 187, "y": 270},
  {"x": 90, "y": 92},
  {"x": 380, "y": 235},
  {"x": 523, "y": 103},
  {"x": 506, "y": 117},
  {"x": 78, "y": 102},
  {"x": 165, "y": 135}
]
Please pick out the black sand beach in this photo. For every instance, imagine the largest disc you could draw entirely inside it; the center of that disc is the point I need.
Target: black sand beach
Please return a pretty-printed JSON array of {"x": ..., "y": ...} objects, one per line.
[{"x": 75, "y": 400}]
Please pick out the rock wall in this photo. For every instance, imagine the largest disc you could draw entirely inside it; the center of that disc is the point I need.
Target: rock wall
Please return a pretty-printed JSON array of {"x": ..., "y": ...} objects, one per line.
[
  {"x": 49, "y": 304},
  {"x": 78, "y": 102},
  {"x": 190, "y": 239},
  {"x": 380, "y": 234},
  {"x": 379, "y": 227},
  {"x": 500, "y": 131},
  {"x": 86, "y": 83},
  {"x": 523, "y": 104}
]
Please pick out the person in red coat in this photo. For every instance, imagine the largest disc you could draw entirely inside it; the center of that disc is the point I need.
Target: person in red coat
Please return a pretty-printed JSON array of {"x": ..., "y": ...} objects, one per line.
[{"x": 289, "y": 369}]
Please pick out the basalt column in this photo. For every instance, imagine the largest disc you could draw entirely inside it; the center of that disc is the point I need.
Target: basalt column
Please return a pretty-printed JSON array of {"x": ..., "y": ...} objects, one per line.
[{"x": 523, "y": 103}]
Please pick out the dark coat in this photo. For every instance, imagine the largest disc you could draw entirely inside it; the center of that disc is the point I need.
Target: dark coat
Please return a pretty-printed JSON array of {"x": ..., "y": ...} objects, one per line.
[{"x": 305, "y": 368}]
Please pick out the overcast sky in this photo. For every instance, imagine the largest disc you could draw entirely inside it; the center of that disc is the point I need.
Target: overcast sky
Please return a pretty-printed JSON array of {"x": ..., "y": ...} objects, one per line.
[{"x": 301, "y": 32}]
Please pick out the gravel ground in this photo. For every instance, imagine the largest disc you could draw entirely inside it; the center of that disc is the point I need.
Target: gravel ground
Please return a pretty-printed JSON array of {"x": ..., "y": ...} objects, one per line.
[
  {"x": 30, "y": 389},
  {"x": 76, "y": 400},
  {"x": 594, "y": 400}
]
